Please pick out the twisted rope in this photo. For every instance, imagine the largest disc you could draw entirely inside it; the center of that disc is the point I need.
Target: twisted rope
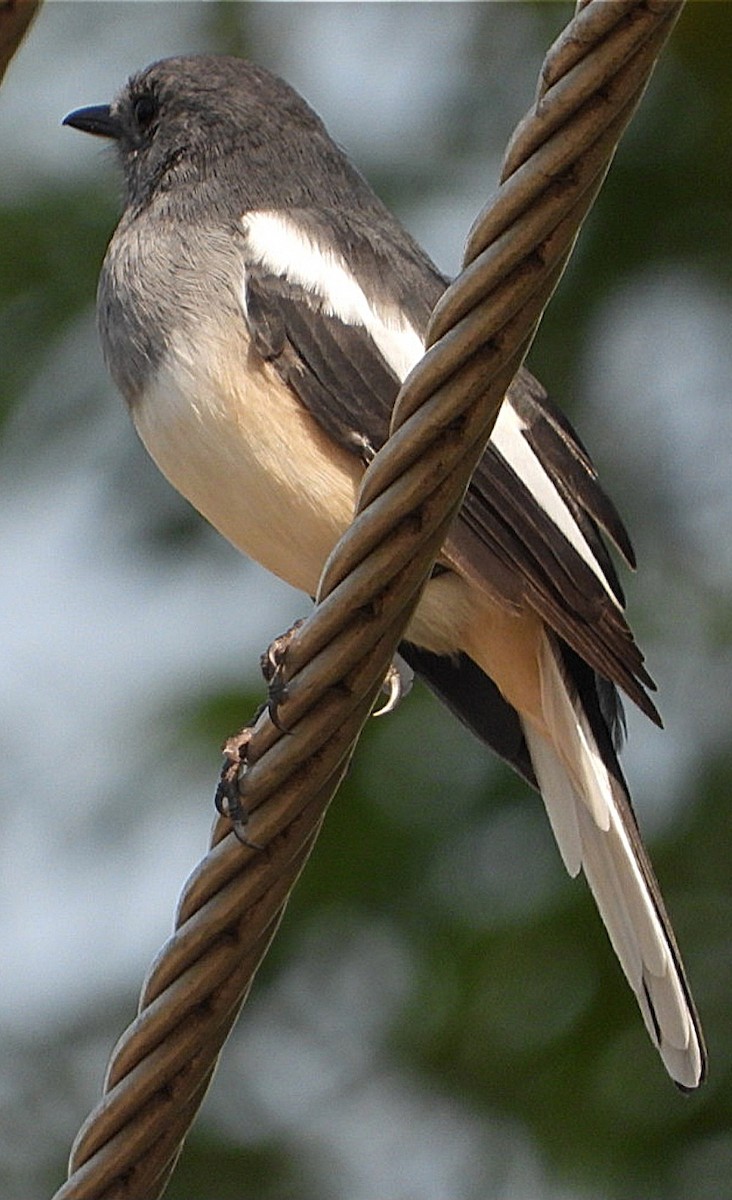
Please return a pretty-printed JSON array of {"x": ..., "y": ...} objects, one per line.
[
  {"x": 15, "y": 17},
  {"x": 591, "y": 82}
]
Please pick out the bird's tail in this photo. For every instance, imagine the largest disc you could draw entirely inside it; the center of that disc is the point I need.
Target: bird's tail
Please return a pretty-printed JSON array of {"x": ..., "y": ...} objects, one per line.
[{"x": 593, "y": 821}]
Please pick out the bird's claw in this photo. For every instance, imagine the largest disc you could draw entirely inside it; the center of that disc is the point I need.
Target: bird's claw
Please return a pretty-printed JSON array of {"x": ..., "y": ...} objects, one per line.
[
  {"x": 228, "y": 798},
  {"x": 272, "y": 664},
  {"x": 397, "y": 685}
]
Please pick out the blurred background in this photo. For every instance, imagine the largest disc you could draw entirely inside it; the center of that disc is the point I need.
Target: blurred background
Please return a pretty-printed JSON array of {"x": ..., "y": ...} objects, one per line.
[{"x": 441, "y": 1016}]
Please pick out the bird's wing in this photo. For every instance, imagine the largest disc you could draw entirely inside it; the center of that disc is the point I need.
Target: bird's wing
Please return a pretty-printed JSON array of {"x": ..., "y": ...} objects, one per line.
[
  {"x": 535, "y": 507},
  {"x": 529, "y": 531}
]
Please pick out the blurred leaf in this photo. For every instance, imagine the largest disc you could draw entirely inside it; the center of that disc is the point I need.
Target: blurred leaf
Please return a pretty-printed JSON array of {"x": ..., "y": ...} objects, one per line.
[{"x": 51, "y": 247}]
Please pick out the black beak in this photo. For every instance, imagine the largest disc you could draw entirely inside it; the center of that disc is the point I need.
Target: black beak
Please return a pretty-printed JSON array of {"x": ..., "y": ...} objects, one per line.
[{"x": 97, "y": 119}]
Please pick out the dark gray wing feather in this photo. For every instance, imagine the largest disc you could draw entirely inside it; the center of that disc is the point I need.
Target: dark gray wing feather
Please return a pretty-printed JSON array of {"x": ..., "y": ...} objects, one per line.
[
  {"x": 502, "y": 540},
  {"x": 334, "y": 368}
]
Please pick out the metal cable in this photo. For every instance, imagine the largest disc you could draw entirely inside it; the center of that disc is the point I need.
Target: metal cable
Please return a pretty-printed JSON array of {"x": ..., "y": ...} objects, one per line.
[
  {"x": 591, "y": 82},
  {"x": 15, "y": 18}
]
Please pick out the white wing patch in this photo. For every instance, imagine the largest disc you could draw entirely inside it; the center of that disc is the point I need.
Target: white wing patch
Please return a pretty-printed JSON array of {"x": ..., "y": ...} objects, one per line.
[
  {"x": 508, "y": 438},
  {"x": 282, "y": 247}
]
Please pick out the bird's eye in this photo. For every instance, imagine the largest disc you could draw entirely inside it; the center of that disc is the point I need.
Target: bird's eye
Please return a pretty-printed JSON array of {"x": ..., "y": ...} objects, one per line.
[{"x": 145, "y": 109}]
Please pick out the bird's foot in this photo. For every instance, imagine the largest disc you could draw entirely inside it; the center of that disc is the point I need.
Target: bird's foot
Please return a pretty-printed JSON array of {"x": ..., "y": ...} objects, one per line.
[
  {"x": 228, "y": 799},
  {"x": 272, "y": 664}
]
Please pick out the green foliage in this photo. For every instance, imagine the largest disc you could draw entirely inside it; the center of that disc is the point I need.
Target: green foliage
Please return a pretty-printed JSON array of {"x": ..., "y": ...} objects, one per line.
[
  {"x": 49, "y": 262},
  {"x": 223, "y": 1171}
]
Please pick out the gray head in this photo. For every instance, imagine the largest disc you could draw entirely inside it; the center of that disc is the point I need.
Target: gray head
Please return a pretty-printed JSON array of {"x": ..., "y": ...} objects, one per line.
[
  {"x": 203, "y": 140},
  {"x": 226, "y": 124}
]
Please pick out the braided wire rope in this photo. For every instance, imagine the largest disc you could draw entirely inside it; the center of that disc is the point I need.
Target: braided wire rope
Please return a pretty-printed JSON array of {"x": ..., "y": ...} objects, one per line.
[
  {"x": 591, "y": 81},
  {"x": 15, "y": 18}
]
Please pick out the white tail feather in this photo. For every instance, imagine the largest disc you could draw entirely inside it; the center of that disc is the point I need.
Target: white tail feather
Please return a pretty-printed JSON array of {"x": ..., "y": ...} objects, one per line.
[
  {"x": 560, "y": 800},
  {"x": 591, "y": 819},
  {"x": 572, "y": 738}
]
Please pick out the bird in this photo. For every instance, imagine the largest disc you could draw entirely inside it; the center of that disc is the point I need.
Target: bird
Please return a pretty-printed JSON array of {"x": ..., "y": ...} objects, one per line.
[{"x": 258, "y": 308}]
